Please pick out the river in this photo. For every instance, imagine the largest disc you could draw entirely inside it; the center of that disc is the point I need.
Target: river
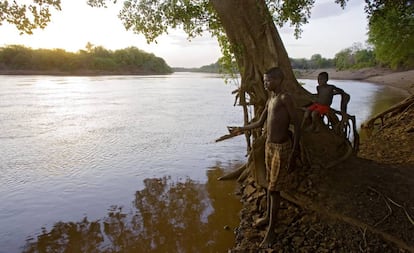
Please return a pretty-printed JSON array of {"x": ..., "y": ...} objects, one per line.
[{"x": 127, "y": 163}]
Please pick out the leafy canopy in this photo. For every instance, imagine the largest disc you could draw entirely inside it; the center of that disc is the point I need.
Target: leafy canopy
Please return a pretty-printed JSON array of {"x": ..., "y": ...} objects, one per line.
[
  {"x": 391, "y": 31},
  {"x": 27, "y": 17},
  {"x": 355, "y": 57}
]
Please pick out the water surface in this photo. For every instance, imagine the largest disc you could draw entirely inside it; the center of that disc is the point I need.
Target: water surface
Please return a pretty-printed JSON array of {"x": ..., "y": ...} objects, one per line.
[{"x": 126, "y": 162}]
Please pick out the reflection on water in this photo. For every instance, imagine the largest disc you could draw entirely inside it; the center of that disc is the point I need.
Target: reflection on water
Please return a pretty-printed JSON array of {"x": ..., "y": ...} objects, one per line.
[{"x": 167, "y": 216}]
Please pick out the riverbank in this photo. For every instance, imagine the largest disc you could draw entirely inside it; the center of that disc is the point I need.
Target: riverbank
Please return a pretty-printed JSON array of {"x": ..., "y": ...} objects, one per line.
[
  {"x": 362, "y": 205},
  {"x": 403, "y": 80}
]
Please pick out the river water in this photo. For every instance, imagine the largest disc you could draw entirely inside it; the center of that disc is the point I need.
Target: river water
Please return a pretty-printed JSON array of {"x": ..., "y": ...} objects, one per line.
[{"x": 127, "y": 163}]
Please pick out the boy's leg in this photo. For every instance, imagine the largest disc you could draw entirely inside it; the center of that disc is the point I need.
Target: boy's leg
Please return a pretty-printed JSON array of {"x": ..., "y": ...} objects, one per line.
[
  {"x": 305, "y": 117},
  {"x": 265, "y": 220},
  {"x": 308, "y": 117},
  {"x": 270, "y": 236},
  {"x": 316, "y": 121}
]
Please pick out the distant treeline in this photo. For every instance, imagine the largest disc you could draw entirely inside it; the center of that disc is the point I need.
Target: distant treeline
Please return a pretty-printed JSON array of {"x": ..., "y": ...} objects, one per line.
[
  {"x": 354, "y": 57},
  {"x": 211, "y": 68},
  {"x": 93, "y": 60},
  {"x": 131, "y": 60}
]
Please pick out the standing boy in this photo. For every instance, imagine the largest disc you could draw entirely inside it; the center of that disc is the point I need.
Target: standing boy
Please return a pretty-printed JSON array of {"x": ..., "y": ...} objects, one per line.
[{"x": 280, "y": 152}]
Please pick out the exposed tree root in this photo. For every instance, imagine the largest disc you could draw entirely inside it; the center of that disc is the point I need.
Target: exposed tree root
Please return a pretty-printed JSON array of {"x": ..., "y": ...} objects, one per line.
[
  {"x": 346, "y": 155},
  {"x": 243, "y": 175},
  {"x": 234, "y": 174},
  {"x": 400, "y": 107},
  {"x": 324, "y": 156}
]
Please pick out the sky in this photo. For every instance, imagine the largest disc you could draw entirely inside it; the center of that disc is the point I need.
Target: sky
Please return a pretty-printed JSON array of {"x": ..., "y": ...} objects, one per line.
[{"x": 330, "y": 30}]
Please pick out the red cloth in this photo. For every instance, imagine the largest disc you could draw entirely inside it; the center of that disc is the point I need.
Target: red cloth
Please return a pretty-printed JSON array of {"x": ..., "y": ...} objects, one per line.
[{"x": 322, "y": 109}]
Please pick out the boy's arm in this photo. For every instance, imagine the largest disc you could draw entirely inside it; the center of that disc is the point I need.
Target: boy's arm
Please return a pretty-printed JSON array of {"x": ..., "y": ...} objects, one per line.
[
  {"x": 256, "y": 124},
  {"x": 345, "y": 97},
  {"x": 294, "y": 119},
  {"x": 291, "y": 108},
  {"x": 315, "y": 97}
]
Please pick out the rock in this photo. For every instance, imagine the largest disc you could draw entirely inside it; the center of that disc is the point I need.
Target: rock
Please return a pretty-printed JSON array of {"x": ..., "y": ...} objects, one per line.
[{"x": 298, "y": 241}]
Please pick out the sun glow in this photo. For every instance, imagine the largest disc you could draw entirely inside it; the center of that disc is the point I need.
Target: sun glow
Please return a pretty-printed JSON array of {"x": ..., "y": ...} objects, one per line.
[{"x": 75, "y": 26}]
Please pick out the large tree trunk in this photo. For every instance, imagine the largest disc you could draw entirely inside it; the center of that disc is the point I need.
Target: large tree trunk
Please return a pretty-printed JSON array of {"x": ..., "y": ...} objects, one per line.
[{"x": 258, "y": 47}]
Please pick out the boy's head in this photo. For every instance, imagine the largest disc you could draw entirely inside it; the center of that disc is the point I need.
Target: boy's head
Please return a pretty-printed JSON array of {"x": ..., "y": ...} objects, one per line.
[
  {"x": 323, "y": 78},
  {"x": 273, "y": 77}
]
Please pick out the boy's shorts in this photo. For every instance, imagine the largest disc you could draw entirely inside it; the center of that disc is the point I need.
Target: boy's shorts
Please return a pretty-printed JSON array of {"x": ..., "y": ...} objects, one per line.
[
  {"x": 277, "y": 158},
  {"x": 321, "y": 109}
]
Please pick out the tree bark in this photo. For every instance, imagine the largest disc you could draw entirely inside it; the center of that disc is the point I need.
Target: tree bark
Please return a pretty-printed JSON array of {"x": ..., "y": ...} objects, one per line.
[{"x": 257, "y": 47}]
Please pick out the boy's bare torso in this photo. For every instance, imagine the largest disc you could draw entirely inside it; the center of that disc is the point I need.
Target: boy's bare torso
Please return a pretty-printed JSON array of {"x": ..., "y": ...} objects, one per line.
[
  {"x": 277, "y": 120},
  {"x": 325, "y": 94}
]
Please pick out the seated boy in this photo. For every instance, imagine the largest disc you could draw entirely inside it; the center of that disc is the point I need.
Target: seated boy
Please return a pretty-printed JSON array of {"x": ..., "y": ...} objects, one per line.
[{"x": 325, "y": 93}]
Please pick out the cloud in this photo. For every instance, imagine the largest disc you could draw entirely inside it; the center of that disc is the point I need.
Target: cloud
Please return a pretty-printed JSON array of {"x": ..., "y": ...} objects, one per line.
[
  {"x": 180, "y": 38},
  {"x": 331, "y": 9}
]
